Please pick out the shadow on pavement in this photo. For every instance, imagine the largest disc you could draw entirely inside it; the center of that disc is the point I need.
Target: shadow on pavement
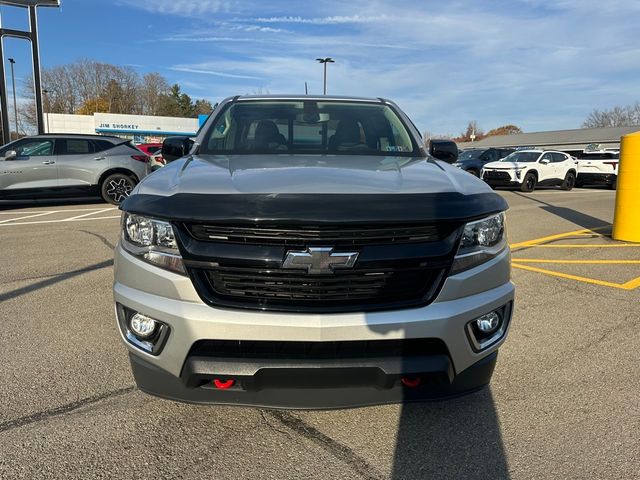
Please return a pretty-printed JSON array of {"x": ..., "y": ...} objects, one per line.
[
  {"x": 49, "y": 202},
  {"x": 457, "y": 439},
  {"x": 569, "y": 214}
]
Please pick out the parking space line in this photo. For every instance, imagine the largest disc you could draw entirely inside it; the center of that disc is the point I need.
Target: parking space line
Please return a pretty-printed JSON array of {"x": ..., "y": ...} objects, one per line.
[
  {"x": 27, "y": 216},
  {"x": 578, "y": 262},
  {"x": 57, "y": 221},
  {"x": 604, "y": 245},
  {"x": 558, "y": 236},
  {"x": 631, "y": 285},
  {"x": 53, "y": 211},
  {"x": 88, "y": 214}
]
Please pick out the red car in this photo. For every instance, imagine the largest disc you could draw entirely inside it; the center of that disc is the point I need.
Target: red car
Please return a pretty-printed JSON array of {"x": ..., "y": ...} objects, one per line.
[{"x": 154, "y": 151}]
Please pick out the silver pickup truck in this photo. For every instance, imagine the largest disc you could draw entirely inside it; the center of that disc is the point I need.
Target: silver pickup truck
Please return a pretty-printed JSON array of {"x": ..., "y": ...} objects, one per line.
[{"x": 310, "y": 252}]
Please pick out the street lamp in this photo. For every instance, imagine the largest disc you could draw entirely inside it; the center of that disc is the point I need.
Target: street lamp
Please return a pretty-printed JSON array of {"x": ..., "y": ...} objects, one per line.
[
  {"x": 47, "y": 106},
  {"x": 15, "y": 103},
  {"x": 324, "y": 62}
]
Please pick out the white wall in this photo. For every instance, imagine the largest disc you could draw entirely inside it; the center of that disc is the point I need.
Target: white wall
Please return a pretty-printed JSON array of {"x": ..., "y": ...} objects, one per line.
[
  {"x": 112, "y": 123},
  {"x": 63, "y": 123}
]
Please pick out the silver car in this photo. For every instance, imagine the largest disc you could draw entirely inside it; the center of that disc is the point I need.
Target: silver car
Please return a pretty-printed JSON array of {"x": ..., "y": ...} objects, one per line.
[{"x": 58, "y": 164}]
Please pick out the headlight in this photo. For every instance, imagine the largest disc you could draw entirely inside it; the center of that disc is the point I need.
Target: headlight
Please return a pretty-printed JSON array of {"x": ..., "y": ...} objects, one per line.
[
  {"x": 152, "y": 240},
  {"x": 481, "y": 241}
]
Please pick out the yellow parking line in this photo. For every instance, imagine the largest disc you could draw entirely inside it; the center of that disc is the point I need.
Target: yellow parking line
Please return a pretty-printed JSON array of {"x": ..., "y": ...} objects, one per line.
[
  {"x": 586, "y": 262},
  {"x": 549, "y": 238},
  {"x": 632, "y": 284},
  {"x": 626, "y": 286},
  {"x": 604, "y": 245}
]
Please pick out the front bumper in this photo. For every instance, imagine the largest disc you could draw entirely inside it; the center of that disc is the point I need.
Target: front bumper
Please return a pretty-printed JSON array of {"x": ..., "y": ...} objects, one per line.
[
  {"x": 175, "y": 374},
  {"x": 596, "y": 178},
  {"x": 158, "y": 382}
]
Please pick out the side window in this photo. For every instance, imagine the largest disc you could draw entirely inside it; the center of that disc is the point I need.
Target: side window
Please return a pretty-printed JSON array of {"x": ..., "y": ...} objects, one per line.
[
  {"x": 558, "y": 157},
  {"x": 34, "y": 148},
  {"x": 77, "y": 146},
  {"x": 493, "y": 155},
  {"x": 102, "y": 145}
]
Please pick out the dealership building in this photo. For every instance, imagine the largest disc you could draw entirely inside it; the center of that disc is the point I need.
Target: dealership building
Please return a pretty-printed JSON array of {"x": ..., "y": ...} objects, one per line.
[
  {"x": 570, "y": 141},
  {"x": 138, "y": 128}
]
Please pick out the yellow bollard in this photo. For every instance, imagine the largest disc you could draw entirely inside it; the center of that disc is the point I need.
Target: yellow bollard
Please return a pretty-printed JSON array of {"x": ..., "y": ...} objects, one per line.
[{"x": 626, "y": 222}]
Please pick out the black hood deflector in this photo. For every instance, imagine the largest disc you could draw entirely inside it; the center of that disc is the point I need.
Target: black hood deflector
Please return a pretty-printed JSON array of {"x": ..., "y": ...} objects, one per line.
[{"x": 316, "y": 209}]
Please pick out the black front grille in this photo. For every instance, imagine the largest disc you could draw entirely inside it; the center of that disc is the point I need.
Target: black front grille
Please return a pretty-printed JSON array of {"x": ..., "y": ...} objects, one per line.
[
  {"x": 241, "y": 266},
  {"x": 291, "y": 290},
  {"x": 496, "y": 175},
  {"x": 349, "y": 236},
  {"x": 318, "y": 350}
]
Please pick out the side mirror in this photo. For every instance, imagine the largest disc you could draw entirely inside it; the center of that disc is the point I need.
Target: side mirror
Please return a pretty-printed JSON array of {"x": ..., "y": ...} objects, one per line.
[
  {"x": 444, "y": 150},
  {"x": 10, "y": 155},
  {"x": 544, "y": 161},
  {"x": 174, "y": 148}
]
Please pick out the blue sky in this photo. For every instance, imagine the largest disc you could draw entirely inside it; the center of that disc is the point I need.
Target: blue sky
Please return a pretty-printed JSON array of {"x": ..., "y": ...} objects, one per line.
[{"x": 538, "y": 64}]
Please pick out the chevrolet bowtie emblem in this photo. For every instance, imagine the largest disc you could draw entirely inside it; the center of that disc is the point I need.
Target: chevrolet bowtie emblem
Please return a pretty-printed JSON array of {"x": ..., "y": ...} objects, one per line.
[{"x": 319, "y": 260}]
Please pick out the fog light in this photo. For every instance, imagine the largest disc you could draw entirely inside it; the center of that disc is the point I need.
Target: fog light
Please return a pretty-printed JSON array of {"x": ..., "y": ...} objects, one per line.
[
  {"x": 142, "y": 326},
  {"x": 488, "y": 323}
]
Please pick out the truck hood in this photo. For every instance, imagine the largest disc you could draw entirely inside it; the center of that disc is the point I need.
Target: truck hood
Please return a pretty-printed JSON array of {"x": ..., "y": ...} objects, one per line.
[{"x": 310, "y": 188}]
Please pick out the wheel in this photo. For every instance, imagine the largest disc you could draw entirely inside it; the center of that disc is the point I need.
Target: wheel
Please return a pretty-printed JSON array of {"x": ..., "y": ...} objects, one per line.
[
  {"x": 529, "y": 182},
  {"x": 474, "y": 172},
  {"x": 569, "y": 181},
  {"x": 116, "y": 187}
]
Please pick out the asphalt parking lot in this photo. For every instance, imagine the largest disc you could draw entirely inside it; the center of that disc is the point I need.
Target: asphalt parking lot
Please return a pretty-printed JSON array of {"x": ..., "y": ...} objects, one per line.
[{"x": 563, "y": 402}]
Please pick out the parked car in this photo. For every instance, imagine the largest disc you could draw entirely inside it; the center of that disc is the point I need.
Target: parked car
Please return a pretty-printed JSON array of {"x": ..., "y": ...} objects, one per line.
[
  {"x": 55, "y": 164},
  {"x": 309, "y": 251},
  {"x": 598, "y": 168},
  {"x": 473, "y": 159},
  {"x": 526, "y": 169},
  {"x": 154, "y": 151}
]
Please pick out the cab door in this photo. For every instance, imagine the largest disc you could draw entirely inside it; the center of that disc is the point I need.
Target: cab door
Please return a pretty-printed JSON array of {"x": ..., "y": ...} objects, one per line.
[
  {"x": 33, "y": 167},
  {"x": 78, "y": 162}
]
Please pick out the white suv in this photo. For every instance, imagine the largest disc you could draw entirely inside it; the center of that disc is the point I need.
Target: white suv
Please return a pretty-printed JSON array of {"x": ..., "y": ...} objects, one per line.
[
  {"x": 598, "y": 168},
  {"x": 526, "y": 169}
]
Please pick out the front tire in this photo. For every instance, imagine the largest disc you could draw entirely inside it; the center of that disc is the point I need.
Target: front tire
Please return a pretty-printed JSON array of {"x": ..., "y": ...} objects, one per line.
[
  {"x": 529, "y": 182},
  {"x": 116, "y": 187},
  {"x": 569, "y": 181}
]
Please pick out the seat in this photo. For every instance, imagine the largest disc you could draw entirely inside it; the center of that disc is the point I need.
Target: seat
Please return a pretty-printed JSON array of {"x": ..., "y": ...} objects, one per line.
[
  {"x": 268, "y": 137},
  {"x": 347, "y": 137}
]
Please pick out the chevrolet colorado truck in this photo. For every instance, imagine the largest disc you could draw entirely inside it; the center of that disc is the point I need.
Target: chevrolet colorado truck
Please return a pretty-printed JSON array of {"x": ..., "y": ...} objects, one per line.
[{"x": 311, "y": 252}]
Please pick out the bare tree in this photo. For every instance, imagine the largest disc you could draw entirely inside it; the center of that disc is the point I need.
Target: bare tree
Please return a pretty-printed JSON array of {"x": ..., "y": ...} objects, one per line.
[
  {"x": 626, "y": 116},
  {"x": 153, "y": 86}
]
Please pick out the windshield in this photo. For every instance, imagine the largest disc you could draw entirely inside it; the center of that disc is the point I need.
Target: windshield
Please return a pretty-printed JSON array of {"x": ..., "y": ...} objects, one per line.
[
  {"x": 469, "y": 154},
  {"x": 521, "y": 157},
  {"x": 309, "y": 127}
]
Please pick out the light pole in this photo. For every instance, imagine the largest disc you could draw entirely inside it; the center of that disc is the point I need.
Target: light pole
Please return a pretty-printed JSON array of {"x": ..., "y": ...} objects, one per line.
[
  {"x": 46, "y": 104},
  {"x": 15, "y": 103},
  {"x": 324, "y": 62}
]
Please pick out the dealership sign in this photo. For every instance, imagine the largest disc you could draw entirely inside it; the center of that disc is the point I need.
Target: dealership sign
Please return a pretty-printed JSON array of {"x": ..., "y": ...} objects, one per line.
[{"x": 119, "y": 126}]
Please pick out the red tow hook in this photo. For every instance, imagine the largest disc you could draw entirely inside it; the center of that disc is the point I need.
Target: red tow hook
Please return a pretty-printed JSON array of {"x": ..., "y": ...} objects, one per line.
[
  {"x": 223, "y": 384},
  {"x": 410, "y": 382}
]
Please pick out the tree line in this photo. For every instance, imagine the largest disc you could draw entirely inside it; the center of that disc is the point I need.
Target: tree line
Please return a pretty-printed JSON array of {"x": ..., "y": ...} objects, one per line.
[{"x": 87, "y": 86}]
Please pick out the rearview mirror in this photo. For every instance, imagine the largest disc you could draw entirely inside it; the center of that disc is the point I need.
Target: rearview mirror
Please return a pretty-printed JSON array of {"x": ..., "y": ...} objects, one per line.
[
  {"x": 544, "y": 161},
  {"x": 444, "y": 150},
  {"x": 174, "y": 148},
  {"x": 10, "y": 155}
]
